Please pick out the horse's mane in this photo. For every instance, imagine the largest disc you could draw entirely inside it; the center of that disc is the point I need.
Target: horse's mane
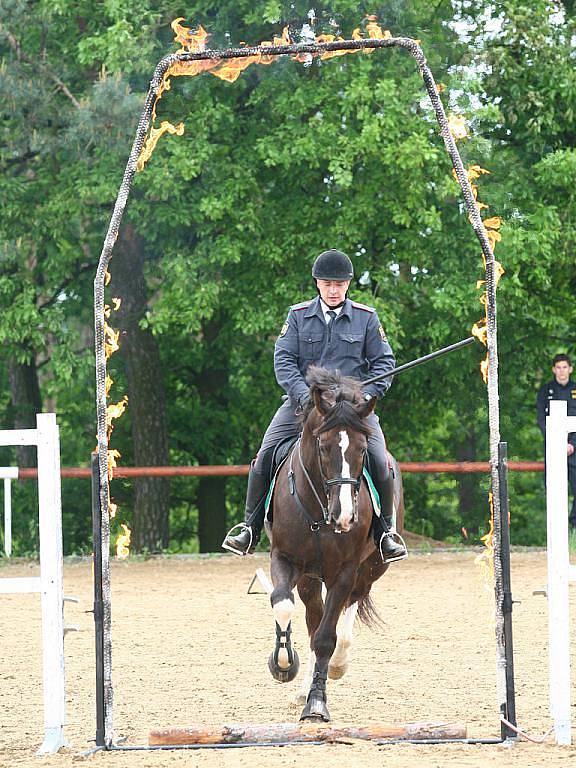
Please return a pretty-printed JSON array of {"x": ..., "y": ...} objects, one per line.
[{"x": 344, "y": 392}]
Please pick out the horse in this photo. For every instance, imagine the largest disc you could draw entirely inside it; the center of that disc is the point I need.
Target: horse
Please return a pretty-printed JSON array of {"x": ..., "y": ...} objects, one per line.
[{"x": 321, "y": 533}]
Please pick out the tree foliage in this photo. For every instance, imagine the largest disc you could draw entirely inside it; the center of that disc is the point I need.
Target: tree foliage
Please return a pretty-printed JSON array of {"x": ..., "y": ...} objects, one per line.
[{"x": 272, "y": 169}]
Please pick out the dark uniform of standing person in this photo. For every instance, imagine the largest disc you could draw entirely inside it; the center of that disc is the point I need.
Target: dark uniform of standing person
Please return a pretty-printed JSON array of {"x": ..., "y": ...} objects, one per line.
[
  {"x": 338, "y": 334},
  {"x": 561, "y": 388}
]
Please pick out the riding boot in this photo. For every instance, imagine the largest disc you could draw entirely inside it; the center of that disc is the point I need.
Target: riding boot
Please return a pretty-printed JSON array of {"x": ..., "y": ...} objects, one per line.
[
  {"x": 244, "y": 542},
  {"x": 388, "y": 541}
]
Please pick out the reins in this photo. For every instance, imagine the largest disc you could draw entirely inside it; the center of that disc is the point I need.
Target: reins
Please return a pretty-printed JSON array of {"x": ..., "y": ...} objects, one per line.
[{"x": 314, "y": 524}]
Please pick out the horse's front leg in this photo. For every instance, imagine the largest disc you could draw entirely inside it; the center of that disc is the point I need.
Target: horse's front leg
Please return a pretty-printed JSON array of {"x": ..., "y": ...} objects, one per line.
[
  {"x": 283, "y": 662},
  {"x": 310, "y": 591},
  {"x": 344, "y": 633},
  {"x": 324, "y": 644}
]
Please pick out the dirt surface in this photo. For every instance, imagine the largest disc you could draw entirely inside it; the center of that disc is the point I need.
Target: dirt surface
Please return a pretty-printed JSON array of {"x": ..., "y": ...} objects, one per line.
[{"x": 191, "y": 646}]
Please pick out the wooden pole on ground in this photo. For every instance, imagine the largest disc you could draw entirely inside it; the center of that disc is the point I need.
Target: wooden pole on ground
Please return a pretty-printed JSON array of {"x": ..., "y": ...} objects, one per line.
[{"x": 241, "y": 733}]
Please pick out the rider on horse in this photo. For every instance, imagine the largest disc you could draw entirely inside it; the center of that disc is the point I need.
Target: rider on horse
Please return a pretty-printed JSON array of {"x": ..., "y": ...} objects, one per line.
[{"x": 339, "y": 334}]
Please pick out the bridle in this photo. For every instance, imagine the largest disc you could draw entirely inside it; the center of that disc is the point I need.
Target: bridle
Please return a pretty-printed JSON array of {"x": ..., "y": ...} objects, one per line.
[
  {"x": 326, "y": 483},
  {"x": 354, "y": 481}
]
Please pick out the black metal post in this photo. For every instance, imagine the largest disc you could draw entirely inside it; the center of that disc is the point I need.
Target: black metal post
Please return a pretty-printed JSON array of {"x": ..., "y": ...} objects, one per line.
[
  {"x": 424, "y": 359},
  {"x": 509, "y": 708},
  {"x": 98, "y": 601}
]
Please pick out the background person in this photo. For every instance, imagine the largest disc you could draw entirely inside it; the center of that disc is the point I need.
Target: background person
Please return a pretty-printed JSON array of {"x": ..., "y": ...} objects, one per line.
[{"x": 561, "y": 388}]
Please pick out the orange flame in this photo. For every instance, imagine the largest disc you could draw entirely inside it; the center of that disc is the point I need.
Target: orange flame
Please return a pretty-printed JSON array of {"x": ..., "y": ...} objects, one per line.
[
  {"x": 112, "y": 456},
  {"x": 484, "y": 369},
  {"x": 498, "y": 271},
  {"x": 152, "y": 140},
  {"x": 230, "y": 69},
  {"x": 114, "y": 411},
  {"x": 495, "y": 222},
  {"x": 123, "y": 542},
  {"x": 110, "y": 340},
  {"x": 192, "y": 42},
  {"x": 458, "y": 127},
  {"x": 486, "y": 558},
  {"x": 493, "y": 238},
  {"x": 479, "y": 330},
  {"x": 112, "y": 508}
]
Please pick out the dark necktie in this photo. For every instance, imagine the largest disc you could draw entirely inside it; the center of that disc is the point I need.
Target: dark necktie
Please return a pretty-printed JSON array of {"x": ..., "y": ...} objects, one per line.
[{"x": 330, "y": 315}]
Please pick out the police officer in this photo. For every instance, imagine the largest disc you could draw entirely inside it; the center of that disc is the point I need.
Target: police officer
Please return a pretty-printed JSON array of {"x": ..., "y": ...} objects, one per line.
[
  {"x": 561, "y": 388},
  {"x": 339, "y": 334}
]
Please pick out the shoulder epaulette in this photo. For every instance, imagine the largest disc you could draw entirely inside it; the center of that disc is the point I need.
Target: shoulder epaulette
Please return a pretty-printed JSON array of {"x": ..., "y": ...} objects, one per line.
[
  {"x": 302, "y": 305},
  {"x": 357, "y": 305}
]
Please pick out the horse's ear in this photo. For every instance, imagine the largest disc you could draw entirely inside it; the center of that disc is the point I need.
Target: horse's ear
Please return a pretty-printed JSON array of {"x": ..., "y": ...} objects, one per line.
[
  {"x": 319, "y": 402},
  {"x": 367, "y": 407}
]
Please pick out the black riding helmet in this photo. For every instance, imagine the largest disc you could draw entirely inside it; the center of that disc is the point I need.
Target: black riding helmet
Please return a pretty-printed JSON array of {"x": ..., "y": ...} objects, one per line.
[{"x": 332, "y": 265}]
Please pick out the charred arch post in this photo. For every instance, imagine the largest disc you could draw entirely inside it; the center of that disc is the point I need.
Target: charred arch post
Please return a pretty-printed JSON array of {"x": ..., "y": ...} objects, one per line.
[{"x": 505, "y": 683}]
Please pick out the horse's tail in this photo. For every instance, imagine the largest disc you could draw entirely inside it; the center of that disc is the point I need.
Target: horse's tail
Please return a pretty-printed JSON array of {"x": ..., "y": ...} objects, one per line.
[{"x": 368, "y": 614}]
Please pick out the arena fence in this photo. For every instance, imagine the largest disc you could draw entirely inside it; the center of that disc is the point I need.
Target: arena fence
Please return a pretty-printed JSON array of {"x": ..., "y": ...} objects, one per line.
[{"x": 236, "y": 470}]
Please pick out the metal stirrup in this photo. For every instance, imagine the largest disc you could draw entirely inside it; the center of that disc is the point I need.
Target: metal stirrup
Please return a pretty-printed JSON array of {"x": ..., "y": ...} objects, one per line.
[
  {"x": 239, "y": 551},
  {"x": 395, "y": 536}
]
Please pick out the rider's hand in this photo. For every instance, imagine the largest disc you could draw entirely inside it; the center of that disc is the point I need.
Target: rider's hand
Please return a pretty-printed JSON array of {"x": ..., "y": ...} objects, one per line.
[{"x": 570, "y": 449}]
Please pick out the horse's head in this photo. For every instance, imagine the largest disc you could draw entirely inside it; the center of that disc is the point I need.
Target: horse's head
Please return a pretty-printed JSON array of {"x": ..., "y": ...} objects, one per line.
[{"x": 335, "y": 419}]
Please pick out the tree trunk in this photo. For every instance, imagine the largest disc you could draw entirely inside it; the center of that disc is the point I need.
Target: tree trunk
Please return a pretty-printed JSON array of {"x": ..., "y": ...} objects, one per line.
[
  {"x": 146, "y": 400},
  {"x": 212, "y": 384},
  {"x": 211, "y": 500},
  {"x": 26, "y": 403}
]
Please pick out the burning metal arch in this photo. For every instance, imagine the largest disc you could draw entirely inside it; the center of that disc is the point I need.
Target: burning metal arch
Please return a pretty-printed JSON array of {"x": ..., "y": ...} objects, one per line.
[{"x": 498, "y": 463}]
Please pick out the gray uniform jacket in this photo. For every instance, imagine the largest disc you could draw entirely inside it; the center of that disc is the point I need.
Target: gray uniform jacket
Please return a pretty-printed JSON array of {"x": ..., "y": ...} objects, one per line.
[{"x": 354, "y": 343}]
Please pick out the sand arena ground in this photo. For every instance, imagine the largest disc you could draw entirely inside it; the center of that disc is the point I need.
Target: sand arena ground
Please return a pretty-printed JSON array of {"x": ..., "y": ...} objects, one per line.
[{"x": 191, "y": 646}]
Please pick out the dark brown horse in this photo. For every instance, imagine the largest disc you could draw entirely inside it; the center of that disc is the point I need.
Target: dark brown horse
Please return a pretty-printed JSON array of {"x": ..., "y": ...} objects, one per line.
[{"x": 320, "y": 532}]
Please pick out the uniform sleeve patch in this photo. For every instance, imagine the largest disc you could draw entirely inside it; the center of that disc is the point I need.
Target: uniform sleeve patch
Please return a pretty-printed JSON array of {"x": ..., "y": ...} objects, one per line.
[
  {"x": 382, "y": 333},
  {"x": 284, "y": 330}
]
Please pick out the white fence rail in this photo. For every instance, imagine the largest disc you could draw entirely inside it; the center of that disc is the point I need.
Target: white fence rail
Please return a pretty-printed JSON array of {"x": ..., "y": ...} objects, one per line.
[
  {"x": 560, "y": 572},
  {"x": 49, "y": 583}
]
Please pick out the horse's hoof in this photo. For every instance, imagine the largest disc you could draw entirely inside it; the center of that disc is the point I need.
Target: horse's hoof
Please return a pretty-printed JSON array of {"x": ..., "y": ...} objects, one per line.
[
  {"x": 315, "y": 709},
  {"x": 335, "y": 672},
  {"x": 284, "y": 675}
]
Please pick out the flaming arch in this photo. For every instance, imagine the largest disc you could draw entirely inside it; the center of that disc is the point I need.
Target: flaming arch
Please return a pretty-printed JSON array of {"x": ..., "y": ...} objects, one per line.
[{"x": 192, "y": 59}]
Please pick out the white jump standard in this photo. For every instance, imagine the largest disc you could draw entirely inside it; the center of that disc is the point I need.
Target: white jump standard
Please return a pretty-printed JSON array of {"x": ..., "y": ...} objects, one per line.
[
  {"x": 49, "y": 583},
  {"x": 8, "y": 474},
  {"x": 560, "y": 572}
]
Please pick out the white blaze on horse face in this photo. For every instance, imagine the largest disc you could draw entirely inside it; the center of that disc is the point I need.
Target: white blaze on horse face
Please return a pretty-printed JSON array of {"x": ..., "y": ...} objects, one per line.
[
  {"x": 283, "y": 611},
  {"x": 346, "y": 499}
]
